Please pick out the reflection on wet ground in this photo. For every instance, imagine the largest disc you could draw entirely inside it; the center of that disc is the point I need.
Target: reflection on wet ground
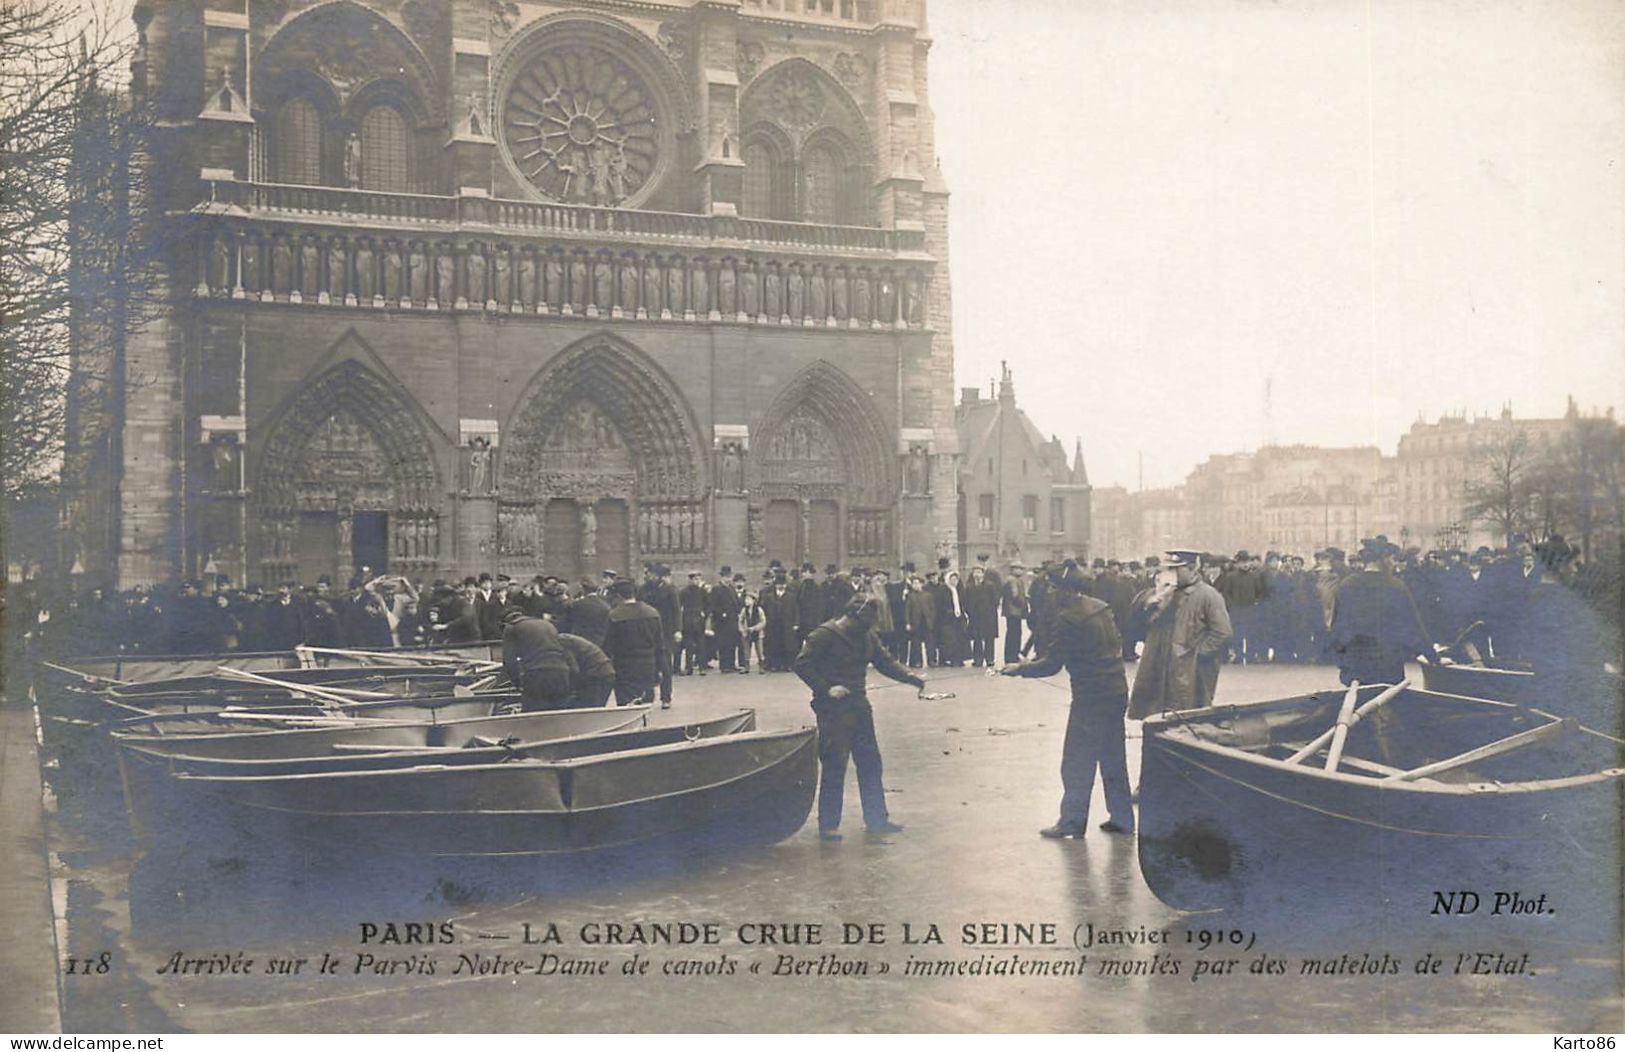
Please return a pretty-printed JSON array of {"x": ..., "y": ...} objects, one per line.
[{"x": 972, "y": 778}]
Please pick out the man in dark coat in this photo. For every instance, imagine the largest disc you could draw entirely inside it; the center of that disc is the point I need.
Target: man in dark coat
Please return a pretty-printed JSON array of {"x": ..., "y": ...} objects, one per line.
[
  {"x": 658, "y": 593},
  {"x": 1085, "y": 642},
  {"x": 634, "y": 641},
  {"x": 1375, "y": 624},
  {"x": 809, "y": 604},
  {"x": 982, "y": 612},
  {"x": 778, "y": 640},
  {"x": 280, "y": 625},
  {"x": 460, "y": 615},
  {"x": 692, "y": 600},
  {"x": 919, "y": 622},
  {"x": 722, "y": 609},
  {"x": 589, "y": 616},
  {"x": 834, "y": 662},
  {"x": 536, "y": 662},
  {"x": 593, "y": 677},
  {"x": 488, "y": 608}
]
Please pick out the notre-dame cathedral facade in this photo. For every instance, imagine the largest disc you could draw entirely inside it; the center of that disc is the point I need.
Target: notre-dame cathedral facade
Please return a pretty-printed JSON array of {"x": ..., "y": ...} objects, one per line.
[{"x": 462, "y": 285}]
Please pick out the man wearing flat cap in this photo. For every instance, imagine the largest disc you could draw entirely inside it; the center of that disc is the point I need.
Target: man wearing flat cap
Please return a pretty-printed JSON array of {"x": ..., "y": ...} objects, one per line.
[
  {"x": 1186, "y": 630},
  {"x": 635, "y": 644},
  {"x": 834, "y": 663},
  {"x": 1084, "y": 641}
]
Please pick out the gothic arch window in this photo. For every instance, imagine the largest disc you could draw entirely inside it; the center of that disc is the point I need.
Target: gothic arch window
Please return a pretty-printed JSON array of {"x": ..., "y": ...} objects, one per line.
[
  {"x": 823, "y": 189},
  {"x": 761, "y": 175},
  {"x": 297, "y": 151},
  {"x": 385, "y": 149}
]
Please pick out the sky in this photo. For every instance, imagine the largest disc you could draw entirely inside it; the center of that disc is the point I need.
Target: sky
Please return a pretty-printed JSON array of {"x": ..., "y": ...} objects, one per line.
[{"x": 1199, "y": 226}]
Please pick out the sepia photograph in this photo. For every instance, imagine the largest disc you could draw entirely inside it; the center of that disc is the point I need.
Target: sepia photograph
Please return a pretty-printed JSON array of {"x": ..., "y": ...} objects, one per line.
[{"x": 1151, "y": 469}]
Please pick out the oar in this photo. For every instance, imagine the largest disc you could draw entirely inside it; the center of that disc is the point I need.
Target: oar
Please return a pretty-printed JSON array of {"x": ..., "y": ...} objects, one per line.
[
  {"x": 1485, "y": 752},
  {"x": 388, "y": 655},
  {"x": 1340, "y": 733},
  {"x": 298, "y": 688},
  {"x": 1359, "y": 714}
]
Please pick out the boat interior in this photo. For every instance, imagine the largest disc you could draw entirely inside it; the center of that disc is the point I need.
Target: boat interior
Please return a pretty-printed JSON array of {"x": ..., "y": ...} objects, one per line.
[{"x": 1409, "y": 736}]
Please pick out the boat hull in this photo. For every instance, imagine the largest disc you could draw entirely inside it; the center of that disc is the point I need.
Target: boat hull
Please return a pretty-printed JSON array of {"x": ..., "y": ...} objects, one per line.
[
  {"x": 163, "y": 806},
  {"x": 750, "y": 787},
  {"x": 1223, "y": 829}
]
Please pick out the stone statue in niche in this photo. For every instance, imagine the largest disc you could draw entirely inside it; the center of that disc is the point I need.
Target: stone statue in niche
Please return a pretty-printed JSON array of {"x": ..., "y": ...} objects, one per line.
[
  {"x": 604, "y": 284},
  {"x": 674, "y": 286},
  {"x": 860, "y": 297},
  {"x": 476, "y": 274},
  {"x": 445, "y": 276},
  {"x": 628, "y": 301},
  {"x": 501, "y": 288},
  {"x": 837, "y": 295},
  {"x": 886, "y": 301},
  {"x": 553, "y": 280},
  {"x": 224, "y": 476},
  {"x": 527, "y": 279},
  {"x": 281, "y": 266},
  {"x": 914, "y": 299},
  {"x": 772, "y": 295},
  {"x": 251, "y": 263},
  {"x": 727, "y": 302},
  {"x": 699, "y": 292},
  {"x": 589, "y": 531},
  {"x": 795, "y": 293},
  {"x": 365, "y": 263},
  {"x": 651, "y": 286},
  {"x": 476, "y": 114},
  {"x": 392, "y": 271},
  {"x": 310, "y": 268},
  {"x": 479, "y": 465},
  {"x": 731, "y": 468},
  {"x": 578, "y": 283},
  {"x": 352, "y": 160},
  {"x": 750, "y": 291},
  {"x": 337, "y": 265},
  {"x": 817, "y": 296},
  {"x": 220, "y": 265},
  {"x": 917, "y": 470},
  {"x": 417, "y": 273}
]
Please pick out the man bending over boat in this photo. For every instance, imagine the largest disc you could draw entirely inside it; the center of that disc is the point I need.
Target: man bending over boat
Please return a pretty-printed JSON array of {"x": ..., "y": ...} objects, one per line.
[
  {"x": 537, "y": 664},
  {"x": 1083, "y": 639},
  {"x": 834, "y": 662}
]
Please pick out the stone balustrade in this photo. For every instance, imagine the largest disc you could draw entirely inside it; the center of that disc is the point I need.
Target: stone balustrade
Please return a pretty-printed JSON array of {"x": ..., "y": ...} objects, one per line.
[
  {"x": 507, "y": 272},
  {"x": 469, "y": 213}
]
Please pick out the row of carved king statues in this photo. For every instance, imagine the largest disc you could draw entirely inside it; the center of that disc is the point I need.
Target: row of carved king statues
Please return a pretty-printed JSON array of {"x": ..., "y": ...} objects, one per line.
[{"x": 362, "y": 270}]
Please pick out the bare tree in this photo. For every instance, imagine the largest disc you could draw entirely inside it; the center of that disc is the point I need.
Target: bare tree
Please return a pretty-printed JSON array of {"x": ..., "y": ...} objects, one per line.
[
  {"x": 1585, "y": 468},
  {"x": 58, "y": 115},
  {"x": 1498, "y": 491}
]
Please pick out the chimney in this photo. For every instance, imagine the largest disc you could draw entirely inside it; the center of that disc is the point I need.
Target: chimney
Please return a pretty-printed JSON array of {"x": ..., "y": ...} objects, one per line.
[{"x": 969, "y": 395}]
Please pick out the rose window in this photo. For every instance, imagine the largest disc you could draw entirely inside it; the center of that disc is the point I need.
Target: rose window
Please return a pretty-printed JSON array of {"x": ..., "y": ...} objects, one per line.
[{"x": 580, "y": 126}]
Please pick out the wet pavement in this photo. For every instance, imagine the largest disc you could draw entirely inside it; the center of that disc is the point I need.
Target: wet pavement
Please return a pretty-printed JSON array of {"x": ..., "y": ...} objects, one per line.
[{"x": 972, "y": 778}]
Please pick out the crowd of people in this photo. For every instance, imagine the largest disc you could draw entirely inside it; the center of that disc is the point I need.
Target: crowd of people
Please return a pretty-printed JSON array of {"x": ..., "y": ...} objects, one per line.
[{"x": 1280, "y": 608}]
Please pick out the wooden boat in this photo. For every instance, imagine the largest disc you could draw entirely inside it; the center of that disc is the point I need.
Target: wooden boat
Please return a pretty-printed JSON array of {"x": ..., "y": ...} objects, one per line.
[
  {"x": 306, "y": 690},
  {"x": 148, "y": 774},
  {"x": 1429, "y": 793},
  {"x": 1594, "y": 697},
  {"x": 123, "y": 669},
  {"x": 749, "y": 787},
  {"x": 246, "y": 735}
]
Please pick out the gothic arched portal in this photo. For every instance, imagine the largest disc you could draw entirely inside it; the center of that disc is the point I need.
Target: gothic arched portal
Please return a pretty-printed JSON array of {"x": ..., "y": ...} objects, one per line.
[
  {"x": 821, "y": 481},
  {"x": 347, "y": 480},
  {"x": 601, "y": 466}
]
